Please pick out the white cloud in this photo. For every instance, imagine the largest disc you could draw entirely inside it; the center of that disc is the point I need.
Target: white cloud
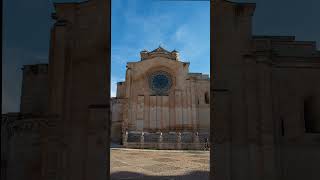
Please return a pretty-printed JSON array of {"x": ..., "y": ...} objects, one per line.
[
  {"x": 181, "y": 33},
  {"x": 140, "y": 30},
  {"x": 113, "y": 91},
  {"x": 192, "y": 46},
  {"x": 114, "y": 80},
  {"x": 150, "y": 30}
]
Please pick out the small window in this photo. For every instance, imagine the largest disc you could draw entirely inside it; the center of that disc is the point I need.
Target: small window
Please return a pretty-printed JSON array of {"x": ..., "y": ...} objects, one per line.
[
  {"x": 206, "y": 98},
  {"x": 34, "y": 69},
  {"x": 309, "y": 115}
]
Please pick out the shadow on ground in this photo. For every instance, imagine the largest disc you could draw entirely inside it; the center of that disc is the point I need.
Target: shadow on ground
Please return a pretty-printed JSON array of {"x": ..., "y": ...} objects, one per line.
[{"x": 203, "y": 175}]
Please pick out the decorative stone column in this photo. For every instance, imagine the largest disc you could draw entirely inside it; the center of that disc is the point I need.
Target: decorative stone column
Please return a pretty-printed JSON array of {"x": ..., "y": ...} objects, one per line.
[
  {"x": 196, "y": 141},
  {"x": 125, "y": 139},
  {"x": 142, "y": 140},
  {"x": 160, "y": 141},
  {"x": 179, "y": 140}
]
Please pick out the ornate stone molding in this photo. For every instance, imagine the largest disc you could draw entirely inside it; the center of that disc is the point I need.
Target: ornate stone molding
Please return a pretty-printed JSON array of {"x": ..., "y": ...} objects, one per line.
[
  {"x": 32, "y": 125},
  {"x": 159, "y": 52},
  {"x": 118, "y": 100}
]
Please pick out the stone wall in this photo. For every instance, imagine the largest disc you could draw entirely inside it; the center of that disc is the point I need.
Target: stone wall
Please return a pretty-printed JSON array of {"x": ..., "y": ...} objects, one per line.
[
  {"x": 117, "y": 110},
  {"x": 233, "y": 153},
  {"x": 34, "y": 91},
  {"x": 294, "y": 82},
  {"x": 79, "y": 92},
  {"x": 22, "y": 145},
  {"x": 260, "y": 89},
  {"x": 184, "y": 107}
]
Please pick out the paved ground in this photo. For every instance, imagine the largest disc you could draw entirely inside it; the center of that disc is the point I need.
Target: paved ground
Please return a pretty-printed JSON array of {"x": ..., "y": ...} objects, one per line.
[{"x": 159, "y": 164}]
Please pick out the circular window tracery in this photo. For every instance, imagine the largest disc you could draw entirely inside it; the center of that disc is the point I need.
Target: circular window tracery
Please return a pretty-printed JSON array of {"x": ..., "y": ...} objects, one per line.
[{"x": 160, "y": 82}]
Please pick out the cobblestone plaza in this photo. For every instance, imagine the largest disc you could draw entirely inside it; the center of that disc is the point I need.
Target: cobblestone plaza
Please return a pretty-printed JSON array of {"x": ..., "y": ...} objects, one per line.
[{"x": 158, "y": 164}]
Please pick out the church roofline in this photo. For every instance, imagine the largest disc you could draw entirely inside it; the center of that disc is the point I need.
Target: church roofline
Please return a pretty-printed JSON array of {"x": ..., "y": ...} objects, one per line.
[
  {"x": 199, "y": 76},
  {"x": 267, "y": 44},
  {"x": 28, "y": 66},
  {"x": 71, "y": 3},
  {"x": 34, "y": 65},
  {"x": 196, "y": 73},
  {"x": 160, "y": 49},
  {"x": 242, "y": 8},
  {"x": 285, "y": 38},
  {"x": 236, "y": 3},
  {"x": 159, "y": 52},
  {"x": 39, "y": 64},
  {"x": 59, "y": 7}
]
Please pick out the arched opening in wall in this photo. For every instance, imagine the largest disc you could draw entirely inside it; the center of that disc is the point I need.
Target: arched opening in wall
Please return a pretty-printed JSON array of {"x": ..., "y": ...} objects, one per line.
[
  {"x": 163, "y": 101},
  {"x": 309, "y": 115},
  {"x": 206, "y": 98}
]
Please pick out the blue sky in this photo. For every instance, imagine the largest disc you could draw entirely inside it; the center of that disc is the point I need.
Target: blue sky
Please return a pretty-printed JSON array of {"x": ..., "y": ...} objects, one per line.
[{"x": 141, "y": 24}]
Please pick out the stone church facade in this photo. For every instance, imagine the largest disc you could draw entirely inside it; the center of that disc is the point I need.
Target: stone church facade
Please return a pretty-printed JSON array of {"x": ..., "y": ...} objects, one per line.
[
  {"x": 265, "y": 118},
  {"x": 62, "y": 127},
  {"x": 160, "y": 98},
  {"x": 264, "y": 113}
]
